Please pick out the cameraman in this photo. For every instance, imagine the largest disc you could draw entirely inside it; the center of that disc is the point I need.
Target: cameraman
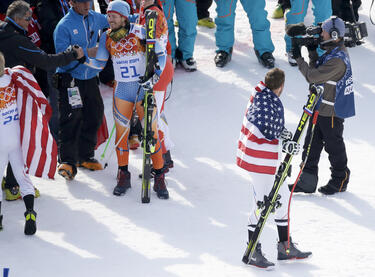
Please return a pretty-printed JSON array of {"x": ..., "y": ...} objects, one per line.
[{"x": 333, "y": 70}]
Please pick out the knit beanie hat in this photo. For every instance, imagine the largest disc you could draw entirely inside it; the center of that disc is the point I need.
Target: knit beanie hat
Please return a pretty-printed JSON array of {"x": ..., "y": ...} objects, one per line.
[{"x": 120, "y": 7}]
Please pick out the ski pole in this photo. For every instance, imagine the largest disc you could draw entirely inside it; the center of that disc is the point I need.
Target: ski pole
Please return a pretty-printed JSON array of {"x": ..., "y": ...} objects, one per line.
[{"x": 109, "y": 140}]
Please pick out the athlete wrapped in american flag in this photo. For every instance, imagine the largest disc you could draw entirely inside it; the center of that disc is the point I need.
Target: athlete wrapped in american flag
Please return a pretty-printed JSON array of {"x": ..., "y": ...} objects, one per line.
[
  {"x": 259, "y": 153},
  {"x": 25, "y": 139}
]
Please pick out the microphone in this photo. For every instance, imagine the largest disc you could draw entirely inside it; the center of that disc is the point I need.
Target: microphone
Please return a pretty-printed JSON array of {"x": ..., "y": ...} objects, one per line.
[{"x": 294, "y": 30}]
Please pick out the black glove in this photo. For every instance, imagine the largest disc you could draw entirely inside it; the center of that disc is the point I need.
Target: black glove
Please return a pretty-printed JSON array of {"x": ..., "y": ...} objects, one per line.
[{"x": 296, "y": 50}]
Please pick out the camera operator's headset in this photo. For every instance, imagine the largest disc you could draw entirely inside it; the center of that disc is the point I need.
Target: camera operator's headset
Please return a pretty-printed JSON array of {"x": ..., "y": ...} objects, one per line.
[{"x": 334, "y": 32}]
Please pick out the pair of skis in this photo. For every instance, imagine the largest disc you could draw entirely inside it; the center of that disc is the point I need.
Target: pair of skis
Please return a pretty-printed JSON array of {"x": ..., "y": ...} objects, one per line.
[
  {"x": 271, "y": 202},
  {"x": 149, "y": 105}
]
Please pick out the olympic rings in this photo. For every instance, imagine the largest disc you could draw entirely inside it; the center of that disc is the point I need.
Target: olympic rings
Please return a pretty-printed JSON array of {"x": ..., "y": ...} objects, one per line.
[
  {"x": 124, "y": 44},
  {"x": 7, "y": 94}
]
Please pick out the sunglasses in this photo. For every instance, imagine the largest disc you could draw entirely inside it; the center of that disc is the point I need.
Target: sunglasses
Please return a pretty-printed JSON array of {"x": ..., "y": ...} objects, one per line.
[{"x": 27, "y": 18}]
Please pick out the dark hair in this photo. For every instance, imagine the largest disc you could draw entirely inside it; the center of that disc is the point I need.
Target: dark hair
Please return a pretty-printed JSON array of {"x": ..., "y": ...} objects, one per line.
[
  {"x": 275, "y": 78},
  {"x": 18, "y": 9}
]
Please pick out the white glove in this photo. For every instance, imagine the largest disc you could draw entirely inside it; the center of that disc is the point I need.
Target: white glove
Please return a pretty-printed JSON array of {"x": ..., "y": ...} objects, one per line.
[
  {"x": 149, "y": 84},
  {"x": 286, "y": 135},
  {"x": 291, "y": 147}
]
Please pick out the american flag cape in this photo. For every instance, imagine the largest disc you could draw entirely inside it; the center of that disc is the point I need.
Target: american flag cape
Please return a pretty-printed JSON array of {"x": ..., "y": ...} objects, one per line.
[
  {"x": 38, "y": 146},
  {"x": 258, "y": 145}
]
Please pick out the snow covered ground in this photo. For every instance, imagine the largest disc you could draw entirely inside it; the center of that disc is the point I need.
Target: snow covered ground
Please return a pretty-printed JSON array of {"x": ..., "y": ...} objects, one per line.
[{"x": 83, "y": 230}]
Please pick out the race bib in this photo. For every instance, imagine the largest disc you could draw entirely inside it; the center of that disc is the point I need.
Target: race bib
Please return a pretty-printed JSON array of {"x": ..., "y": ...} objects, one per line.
[{"x": 129, "y": 69}]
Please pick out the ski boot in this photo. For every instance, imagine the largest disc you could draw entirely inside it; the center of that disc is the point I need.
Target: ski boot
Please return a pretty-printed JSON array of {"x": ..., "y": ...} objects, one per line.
[
  {"x": 189, "y": 65},
  {"x": 67, "y": 171},
  {"x": 266, "y": 59},
  {"x": 123, "y": 182},
  {"x": 12, "y": 193},
  {"x": 336, "y": 184},
  {"x": 278, "y": 12},
  {"x": 30, "y": 223},
  {"x": 207, "y": 22},
  {"x": 307, "y": 183},
  {"x": 222, "y": 57},
  {"x": 159, "y": 186},
  {"x": 294, "y": 252},
  {"x": 259, "y": 260},
  {"x": 91, "y": 164}
]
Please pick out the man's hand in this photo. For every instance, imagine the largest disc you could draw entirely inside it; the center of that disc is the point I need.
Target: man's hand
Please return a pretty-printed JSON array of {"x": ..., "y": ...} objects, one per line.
[
  {"x": 91, "y": 52},
  {"x": 291, "y": 147},
  {"x": 79, "y": 51}
]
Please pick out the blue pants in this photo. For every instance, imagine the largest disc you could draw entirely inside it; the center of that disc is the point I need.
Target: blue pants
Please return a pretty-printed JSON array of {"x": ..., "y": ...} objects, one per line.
[
  {"x": 186, "y": 12},
  {"x": 322, "y": 10},
  {"x": 257, "y": 15}
]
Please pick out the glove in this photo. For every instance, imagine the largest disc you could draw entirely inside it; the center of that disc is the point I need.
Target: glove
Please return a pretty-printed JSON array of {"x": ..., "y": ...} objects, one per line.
[
  {"x": 290, "y": 147},
  {"x": 296, "y": 50},
  {"x": 286, "y": 135},
  {"x": 148, "y": 84}
]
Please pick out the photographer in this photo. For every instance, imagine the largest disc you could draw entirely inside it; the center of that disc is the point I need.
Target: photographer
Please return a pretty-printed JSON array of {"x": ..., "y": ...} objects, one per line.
[{"x": 333, "y": 70}]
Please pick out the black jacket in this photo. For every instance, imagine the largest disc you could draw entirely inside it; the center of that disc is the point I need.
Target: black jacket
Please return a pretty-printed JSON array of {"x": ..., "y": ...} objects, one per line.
[
  {"x": 19, "y": 50},
  {"x": 49, "y": 13}
]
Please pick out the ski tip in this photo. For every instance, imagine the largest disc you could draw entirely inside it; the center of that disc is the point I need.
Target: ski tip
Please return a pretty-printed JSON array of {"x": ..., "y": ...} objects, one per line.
[
  {"x": 245, "y": 259},
  {"x": 105, "y": 165}
]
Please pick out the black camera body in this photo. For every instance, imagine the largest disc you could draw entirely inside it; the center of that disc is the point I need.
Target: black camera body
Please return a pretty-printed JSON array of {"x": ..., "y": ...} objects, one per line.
[
  {"x": 310, "y": 36},
  {"x": 354, "y": 33}
]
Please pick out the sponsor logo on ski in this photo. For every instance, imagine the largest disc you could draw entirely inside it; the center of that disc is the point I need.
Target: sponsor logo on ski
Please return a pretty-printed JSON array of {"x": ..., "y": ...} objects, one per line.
[{"x": 305, "y": 115}]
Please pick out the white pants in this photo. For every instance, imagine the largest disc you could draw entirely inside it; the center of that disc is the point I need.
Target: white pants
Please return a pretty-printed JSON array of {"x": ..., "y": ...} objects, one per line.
[
  {"x": 16, "y": 160},
  {"x": 261, "y": 185},
  {"x": 162, "y": 121}
]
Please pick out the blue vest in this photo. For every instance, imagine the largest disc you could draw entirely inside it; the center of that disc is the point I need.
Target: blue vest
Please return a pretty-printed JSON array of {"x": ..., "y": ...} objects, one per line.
[{"x": 344, "y": 99}]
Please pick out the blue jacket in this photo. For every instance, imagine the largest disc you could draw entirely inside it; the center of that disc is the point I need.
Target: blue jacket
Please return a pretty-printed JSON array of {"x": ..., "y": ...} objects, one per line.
[{"x": 72, "y": 29}]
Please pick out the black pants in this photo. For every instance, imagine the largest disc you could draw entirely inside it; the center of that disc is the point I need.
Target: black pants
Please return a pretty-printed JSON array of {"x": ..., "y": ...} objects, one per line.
[
  {"x": 328, "y": 134},
  {"x": 342, "y": 9},
  {"x": 78, "y": 127},
  {"x": 202, "y": 8}
]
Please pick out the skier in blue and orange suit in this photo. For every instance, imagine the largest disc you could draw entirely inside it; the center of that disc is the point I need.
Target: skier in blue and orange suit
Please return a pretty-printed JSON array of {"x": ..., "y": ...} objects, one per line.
[{"x": 123, "y": 43}]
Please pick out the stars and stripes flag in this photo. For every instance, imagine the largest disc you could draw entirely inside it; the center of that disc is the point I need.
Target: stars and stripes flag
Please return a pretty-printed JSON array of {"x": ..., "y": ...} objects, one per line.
[
  {"x": 38, "y": 146},
  {"x": 258, "y": 145}
]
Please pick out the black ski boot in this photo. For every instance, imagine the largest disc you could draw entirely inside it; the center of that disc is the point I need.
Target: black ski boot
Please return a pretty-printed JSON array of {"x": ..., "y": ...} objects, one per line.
[
  {"x": 123, "y": 182},
  {"x": 267, "y": 59},
  {"x": 259, "y": 260},
  {"x": 30, "y": 223},
  {"x": 222, "y": 57},
  {"x": 159, "y": 186},
  {"x": 336, "y": 183},
  {"x": 294, "y": 252},
  {"x": 307, "y": 183}
]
